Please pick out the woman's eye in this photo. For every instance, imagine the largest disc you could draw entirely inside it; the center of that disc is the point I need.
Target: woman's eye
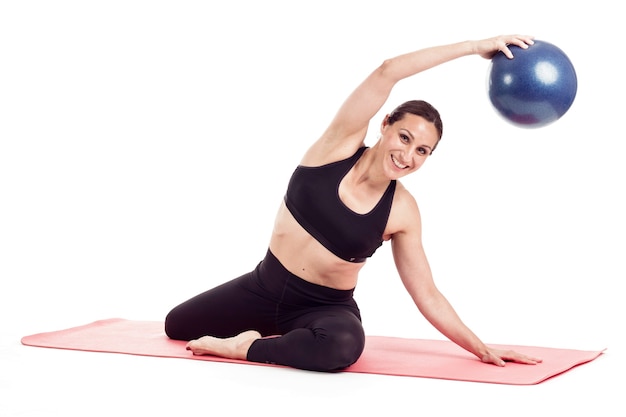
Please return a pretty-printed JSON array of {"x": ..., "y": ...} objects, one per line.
[
  {"x": 422, "y": 151},
  {"x": 404, "y": 138}
]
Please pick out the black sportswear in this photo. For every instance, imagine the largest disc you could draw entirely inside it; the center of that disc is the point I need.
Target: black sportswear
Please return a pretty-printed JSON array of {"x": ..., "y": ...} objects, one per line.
[{"x": 313, "y": 199}]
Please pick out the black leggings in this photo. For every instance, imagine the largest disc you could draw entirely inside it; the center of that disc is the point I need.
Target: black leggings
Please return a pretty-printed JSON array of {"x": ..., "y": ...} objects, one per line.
[{"x": 319, "y": 327}]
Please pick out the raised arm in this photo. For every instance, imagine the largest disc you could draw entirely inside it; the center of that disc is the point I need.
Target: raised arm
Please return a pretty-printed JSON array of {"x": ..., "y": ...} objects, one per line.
[{"x": 349, "y": 126}]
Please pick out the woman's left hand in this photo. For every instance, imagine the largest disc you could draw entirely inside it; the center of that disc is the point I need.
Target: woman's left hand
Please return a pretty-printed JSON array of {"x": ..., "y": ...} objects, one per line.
[
  {"x": 499, "y": 357},
  {"x": 487, "y": 48}
]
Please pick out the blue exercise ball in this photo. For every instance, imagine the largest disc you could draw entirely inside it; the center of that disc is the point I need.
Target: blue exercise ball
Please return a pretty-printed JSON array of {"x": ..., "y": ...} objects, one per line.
[{"x": 533, "y": 89}]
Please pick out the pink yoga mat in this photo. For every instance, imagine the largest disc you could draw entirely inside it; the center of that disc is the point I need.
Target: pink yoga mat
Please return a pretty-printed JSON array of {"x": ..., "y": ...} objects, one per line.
[{"x": 383, "y": 355}]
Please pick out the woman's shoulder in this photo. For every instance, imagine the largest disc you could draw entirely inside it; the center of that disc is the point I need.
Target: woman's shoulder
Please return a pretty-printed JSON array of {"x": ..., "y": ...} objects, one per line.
[
  {"x": 403, "y": 197},
  {"x": 405, "y": 214}
]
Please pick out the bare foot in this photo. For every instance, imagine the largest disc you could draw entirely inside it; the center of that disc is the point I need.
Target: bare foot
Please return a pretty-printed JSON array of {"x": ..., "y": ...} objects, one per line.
[{"x": 232, "y": 347}]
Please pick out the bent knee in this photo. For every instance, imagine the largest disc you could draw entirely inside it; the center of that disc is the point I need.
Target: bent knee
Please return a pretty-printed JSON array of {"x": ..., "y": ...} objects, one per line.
[
  {"x": 341, "y": 350},
  {"x": 173, "y": 327}
]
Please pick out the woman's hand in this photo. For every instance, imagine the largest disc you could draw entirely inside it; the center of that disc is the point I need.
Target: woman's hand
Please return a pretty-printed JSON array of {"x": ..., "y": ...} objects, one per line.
[
  {"x": 499, "y": 357},
  {"x": 487, "y": 48}
]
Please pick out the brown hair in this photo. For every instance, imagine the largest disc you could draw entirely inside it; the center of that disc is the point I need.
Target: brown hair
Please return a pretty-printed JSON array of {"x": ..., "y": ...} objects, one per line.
[{"x": 418, "y": 108}]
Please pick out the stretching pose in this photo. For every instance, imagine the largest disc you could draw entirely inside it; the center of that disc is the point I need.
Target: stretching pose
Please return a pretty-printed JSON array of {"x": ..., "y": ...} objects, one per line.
[{"x": 296, "y": 308}]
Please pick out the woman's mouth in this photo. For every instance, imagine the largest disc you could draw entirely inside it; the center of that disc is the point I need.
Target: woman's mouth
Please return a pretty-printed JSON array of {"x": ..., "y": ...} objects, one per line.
[{"x": 397, "y": 163}]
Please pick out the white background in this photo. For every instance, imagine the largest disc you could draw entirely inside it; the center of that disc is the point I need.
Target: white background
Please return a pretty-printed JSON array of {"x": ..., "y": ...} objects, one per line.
[{"x": 145, "y": 147}]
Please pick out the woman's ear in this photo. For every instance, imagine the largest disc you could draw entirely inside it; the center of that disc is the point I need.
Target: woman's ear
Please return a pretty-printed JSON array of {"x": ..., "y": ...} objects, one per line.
[{"x": 385, "y": 122}]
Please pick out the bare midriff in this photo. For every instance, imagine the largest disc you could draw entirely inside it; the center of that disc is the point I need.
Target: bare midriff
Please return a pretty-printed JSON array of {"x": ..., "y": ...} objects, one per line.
[{"x": 305, "y": 257}]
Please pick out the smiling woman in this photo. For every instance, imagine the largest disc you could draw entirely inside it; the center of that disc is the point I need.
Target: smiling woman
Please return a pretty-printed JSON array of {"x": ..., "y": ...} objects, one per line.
[
  {"x": 296, "y": 308},
  {"x": 411, "y": 136}
]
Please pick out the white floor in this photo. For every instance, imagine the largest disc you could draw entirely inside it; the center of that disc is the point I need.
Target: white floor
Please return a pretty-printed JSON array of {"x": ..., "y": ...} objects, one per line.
[{"x": 145, "y": 146}]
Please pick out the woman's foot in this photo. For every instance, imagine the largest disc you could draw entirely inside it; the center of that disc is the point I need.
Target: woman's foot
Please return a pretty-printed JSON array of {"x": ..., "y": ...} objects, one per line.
[{"x": 232, "y": 347}]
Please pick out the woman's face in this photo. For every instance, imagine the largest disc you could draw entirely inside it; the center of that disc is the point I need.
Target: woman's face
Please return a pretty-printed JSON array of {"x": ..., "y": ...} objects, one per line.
[{"x": 407, "y": 143}]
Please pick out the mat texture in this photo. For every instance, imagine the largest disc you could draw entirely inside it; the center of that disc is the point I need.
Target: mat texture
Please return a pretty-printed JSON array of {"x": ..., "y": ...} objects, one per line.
[{"x": 383, "y": 355}]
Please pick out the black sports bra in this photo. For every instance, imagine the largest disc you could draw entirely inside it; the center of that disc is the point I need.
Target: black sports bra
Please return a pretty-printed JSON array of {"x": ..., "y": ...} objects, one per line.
[{"x": 313, "y": 199}]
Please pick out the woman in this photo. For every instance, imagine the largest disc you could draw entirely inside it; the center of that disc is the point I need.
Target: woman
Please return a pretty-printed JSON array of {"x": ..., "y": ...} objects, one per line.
[{"x": 343, "y": 200}]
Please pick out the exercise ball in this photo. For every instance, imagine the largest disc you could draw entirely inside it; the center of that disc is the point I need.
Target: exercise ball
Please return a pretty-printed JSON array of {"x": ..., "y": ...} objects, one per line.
[{"x": 533, "y": 89}]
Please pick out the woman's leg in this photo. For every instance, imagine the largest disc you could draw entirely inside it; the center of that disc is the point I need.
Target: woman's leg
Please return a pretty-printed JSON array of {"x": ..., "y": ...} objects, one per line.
[
  {"x": 320, "y": 326},
  {"x": 324, "y": 340},
  {"x": 321, "y": 341},
  {"x": 224, "y": 311}
]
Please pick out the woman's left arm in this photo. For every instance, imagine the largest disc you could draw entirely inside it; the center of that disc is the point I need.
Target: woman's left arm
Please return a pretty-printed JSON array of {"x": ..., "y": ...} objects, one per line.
[{"x": 416, "y": 276}]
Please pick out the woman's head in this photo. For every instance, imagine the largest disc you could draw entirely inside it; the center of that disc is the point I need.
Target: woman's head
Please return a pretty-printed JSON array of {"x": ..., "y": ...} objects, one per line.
[{"x": 418, "y": 108}]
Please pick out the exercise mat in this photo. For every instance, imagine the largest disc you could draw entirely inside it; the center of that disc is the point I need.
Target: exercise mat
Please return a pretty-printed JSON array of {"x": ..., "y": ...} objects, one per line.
[{"x": 383, "y": 355}]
